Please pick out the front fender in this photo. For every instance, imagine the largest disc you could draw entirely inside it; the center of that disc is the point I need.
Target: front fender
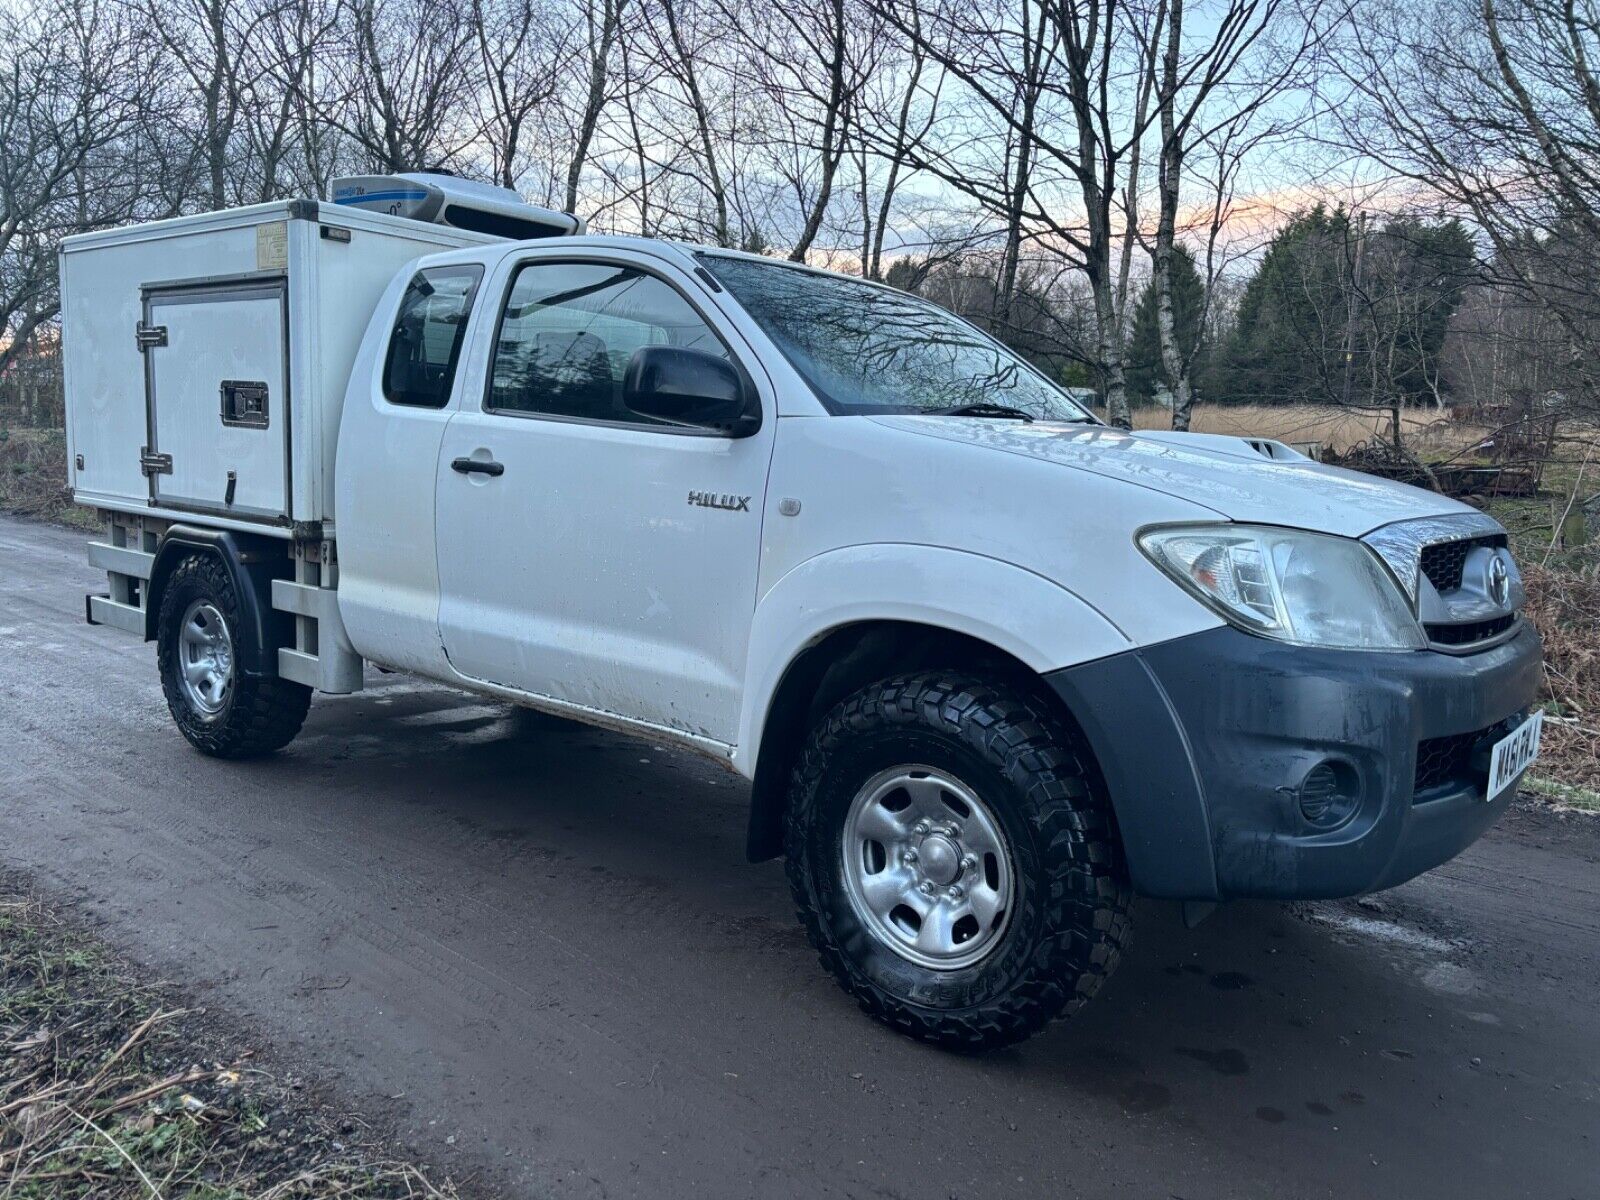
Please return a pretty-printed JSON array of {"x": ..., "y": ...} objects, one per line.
[{"x": 1016, "y": 610}]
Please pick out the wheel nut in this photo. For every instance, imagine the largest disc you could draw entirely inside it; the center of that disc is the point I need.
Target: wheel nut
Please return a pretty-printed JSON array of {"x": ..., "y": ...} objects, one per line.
[
  {"x": 922, "y": 828},
  {"x": 925, "y": 887},
  {"x": 909, "y": 858},
  {"x": 969, "y": 863},
  {"x": 956, "y": 891}
]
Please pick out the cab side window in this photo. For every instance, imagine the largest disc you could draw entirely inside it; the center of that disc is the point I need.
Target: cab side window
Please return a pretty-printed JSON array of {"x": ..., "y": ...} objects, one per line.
[
  {"x": 569, "y": 330},
  {"x": 426, "y": 342}
]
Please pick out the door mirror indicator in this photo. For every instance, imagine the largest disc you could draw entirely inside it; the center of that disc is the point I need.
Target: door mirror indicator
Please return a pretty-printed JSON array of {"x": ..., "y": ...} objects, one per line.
[{"x": 690, "y": 387}]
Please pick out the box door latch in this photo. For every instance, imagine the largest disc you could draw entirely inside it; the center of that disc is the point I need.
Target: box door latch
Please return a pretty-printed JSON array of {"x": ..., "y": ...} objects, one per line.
[
  {"x": 244, "y": 402},
  {"x": 153, "y": 462},
  {"x": 148, "y": 337}
]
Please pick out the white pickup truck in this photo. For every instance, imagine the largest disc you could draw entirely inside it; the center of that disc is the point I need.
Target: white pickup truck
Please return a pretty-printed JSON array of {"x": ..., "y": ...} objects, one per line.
[{"x": 992, "y": 667}]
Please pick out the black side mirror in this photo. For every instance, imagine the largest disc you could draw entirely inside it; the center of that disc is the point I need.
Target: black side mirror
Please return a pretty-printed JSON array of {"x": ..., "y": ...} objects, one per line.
[{"x": 691, "y": 387}]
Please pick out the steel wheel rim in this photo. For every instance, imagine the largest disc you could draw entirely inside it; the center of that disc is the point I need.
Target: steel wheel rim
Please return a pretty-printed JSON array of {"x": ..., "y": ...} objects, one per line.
[
  {"x": 927, "y": 868},
  {"x": 205, "y": 658}
]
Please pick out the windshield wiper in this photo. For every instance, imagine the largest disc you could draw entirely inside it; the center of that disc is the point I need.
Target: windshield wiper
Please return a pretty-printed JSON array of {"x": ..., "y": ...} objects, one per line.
[{"x": 979, "y": 409}]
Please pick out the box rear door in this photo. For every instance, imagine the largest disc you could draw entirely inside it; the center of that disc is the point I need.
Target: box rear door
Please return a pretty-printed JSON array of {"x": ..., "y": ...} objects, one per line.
[{"x": 216, "y": 379}]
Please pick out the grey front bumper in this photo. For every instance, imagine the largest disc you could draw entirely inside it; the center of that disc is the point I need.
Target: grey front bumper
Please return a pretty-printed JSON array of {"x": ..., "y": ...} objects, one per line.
[{"x": 1203, "y": 741}]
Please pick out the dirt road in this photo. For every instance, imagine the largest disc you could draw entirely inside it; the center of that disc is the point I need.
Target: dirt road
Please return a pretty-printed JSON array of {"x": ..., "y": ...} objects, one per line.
[{"x": 544, "y": 942}]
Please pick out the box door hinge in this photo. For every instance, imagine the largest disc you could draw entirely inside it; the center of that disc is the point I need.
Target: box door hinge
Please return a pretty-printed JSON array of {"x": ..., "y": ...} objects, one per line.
[
  {"x": 152, "y": 462},
  {"x": 147, "y": 337}
]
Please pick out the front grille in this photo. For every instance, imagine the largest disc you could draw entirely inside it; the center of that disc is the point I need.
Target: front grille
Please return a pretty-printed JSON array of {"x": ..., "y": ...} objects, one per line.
[
  {"x": 1443, "y": 561},
  {"x": 1449, "y": 760},
  {"x": 1469, "y": 632}
]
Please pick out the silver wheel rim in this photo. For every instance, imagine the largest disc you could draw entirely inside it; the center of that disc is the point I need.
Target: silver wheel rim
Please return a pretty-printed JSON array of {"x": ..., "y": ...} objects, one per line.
[
  {"x": 926, "y": 867},
  {"x": 205, "y": 658}
]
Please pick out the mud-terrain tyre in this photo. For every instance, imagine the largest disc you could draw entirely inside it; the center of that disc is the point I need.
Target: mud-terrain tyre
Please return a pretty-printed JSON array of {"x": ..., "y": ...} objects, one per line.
[
  {"x": 220, "y": 711},
  {"x": 988, "y": 780}
]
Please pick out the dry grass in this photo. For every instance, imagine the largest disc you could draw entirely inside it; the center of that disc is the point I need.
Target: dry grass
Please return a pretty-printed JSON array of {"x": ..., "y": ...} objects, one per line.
[
  {"x": 110, "y": 1089},
  {"x": 1565, "y": 604},
  {"x": 1561, "y": 565},
  {"x": 33, "y": 477},
  {"x": 1426, "y": 431}
]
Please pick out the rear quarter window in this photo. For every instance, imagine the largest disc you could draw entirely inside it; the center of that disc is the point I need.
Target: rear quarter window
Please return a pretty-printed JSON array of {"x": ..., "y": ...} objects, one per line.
[{"x": 425, "y": 344}]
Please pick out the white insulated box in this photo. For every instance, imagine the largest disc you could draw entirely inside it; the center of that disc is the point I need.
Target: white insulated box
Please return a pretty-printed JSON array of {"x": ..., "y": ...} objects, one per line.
[{"x": 205, "y": 358}]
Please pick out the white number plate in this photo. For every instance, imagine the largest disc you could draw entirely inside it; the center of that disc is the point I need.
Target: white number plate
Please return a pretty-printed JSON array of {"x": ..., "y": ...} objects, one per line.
[{"x": 1514, "y": 754}]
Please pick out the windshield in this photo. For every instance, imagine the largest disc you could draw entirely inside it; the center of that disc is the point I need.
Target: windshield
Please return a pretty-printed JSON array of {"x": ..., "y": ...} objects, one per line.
[{"x": 870, "y": 349}]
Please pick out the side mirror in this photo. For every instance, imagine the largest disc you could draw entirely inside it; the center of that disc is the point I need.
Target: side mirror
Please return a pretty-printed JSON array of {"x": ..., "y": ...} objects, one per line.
[{"x": 691, "y": 387}]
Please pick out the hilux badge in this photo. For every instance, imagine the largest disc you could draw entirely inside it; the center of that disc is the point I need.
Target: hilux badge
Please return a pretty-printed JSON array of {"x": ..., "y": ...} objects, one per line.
[{"x": 720, "y": 500}]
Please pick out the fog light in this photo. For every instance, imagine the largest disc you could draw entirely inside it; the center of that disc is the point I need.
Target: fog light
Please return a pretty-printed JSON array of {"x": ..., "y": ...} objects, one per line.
[{"x": 1328, "y": 794}]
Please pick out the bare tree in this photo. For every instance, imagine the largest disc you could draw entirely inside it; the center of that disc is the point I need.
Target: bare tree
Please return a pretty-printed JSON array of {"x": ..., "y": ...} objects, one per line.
[
  {"x": 70, "y": 76},
  {"x": 682, "y": 46},
  {"x": 1060, "y": 83},
  {"x": 288, "y": 149},
  {"x": 1209, "y": 96},
  {"x": 915, "y": 113},
  {"x": 991, "y": 145},
  {"x": 520, "y": 49},
  {"x": 206, "y": 42},
  {"x": 808, "y": 61},
  {"x": 601, "y": 27},
  {"x": 1493, "y": 108},
  {"x": 414, "y": 70}
]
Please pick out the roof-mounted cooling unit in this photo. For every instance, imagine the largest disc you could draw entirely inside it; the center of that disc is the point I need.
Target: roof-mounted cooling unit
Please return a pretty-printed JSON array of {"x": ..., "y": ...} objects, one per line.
[{"x": 461, "y": 203}]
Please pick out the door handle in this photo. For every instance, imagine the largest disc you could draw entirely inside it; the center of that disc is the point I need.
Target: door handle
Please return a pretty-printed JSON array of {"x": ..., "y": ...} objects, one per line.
[{"x": 478, "y": 466}]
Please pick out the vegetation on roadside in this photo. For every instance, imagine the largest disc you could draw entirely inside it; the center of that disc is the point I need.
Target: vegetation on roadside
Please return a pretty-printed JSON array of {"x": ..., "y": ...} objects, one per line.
[
  {"x": 1558, "y": 544},
  {"x": 1562, "y": 795},
  {"x": 111, "y": 1089},
  {"x": 33, "y": 477},
  {"x": 1426, "y": 430}
]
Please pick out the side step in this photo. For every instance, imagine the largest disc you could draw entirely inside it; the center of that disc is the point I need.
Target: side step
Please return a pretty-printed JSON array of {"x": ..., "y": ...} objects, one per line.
[
  {"x": 322, "y": 656},
  {"x": 101, "y": 609},
  {"x": 128, "y": 573}
]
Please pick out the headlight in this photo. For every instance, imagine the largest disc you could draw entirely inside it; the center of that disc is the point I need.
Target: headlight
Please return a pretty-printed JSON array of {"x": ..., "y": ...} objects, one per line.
[{"x": 1312, "y": 589}]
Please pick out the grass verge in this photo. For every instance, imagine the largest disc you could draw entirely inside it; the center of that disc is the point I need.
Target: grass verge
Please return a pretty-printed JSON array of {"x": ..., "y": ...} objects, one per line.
[
  {"x": 111, "y": 1089},
  {"x": 33, "y": 472},
  {"x": 1562, "y": 795},
  {"x": 1563, "y": 578}
]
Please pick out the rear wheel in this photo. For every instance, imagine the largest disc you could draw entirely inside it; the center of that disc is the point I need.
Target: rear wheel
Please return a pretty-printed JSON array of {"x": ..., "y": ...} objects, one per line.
[
  {"x": 220, "y": 710},
  {"x": 954, "y": 860}
]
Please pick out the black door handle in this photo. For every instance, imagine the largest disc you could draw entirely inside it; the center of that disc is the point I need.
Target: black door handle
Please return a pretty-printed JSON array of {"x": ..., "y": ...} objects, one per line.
[{"x": 478, "y": 466}]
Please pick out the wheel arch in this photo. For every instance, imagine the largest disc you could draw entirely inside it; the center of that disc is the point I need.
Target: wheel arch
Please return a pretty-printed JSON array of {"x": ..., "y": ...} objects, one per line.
[
  {"x": 970, "y": 612},
  {"x": 252, "y": 563}
]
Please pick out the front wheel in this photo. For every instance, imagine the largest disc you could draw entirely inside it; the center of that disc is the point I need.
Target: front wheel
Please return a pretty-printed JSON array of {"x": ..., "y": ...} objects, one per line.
[
  {"x": 222, "y": 712},
  {"x": 954, "y": 860}
]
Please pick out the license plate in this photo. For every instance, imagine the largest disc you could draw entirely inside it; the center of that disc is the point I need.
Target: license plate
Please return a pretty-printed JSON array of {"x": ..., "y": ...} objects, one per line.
[{"x": 1514, "y": 754}]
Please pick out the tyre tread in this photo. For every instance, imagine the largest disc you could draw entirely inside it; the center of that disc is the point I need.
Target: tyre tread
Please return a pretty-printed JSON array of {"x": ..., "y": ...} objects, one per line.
[
  {"x": 264, "y": 714},
  {"x": 1087, "y": 895}
]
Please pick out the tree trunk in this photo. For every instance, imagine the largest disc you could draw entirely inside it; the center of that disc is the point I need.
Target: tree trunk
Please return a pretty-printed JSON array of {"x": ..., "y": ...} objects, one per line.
[
  {"x": 1108, "y": 332},
  {"x": 721, "y": 234},
  {"x": 594, "y": 102},
  {"x": 896, "y": 164},
  {"x": 832, "y": 135},
  {"x": 1173, "y": 362},
  {"x": 1022, "y": 175}
]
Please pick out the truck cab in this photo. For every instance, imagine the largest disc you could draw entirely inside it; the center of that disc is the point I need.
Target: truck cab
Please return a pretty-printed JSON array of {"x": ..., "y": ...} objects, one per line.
[{"x": 990, "y": 666}]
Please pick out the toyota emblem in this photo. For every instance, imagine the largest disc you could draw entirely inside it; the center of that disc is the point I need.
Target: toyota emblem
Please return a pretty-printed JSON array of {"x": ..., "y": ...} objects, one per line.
[{"x": 1499, "y": 580}]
